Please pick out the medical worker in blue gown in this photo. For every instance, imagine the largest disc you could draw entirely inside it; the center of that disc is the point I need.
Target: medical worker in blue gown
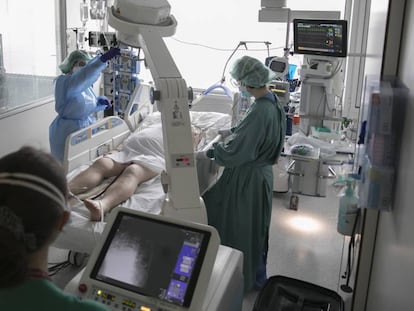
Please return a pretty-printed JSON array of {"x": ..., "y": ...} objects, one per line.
[
  {"x": 239, "y": 205},
  {"x": 75, "y": 99}
]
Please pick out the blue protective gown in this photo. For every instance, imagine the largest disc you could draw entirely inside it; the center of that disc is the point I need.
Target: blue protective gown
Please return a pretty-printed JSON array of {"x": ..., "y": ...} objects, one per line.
[
  {"x": 239, "y": 205},
  {"x": 75, "y": 103}
]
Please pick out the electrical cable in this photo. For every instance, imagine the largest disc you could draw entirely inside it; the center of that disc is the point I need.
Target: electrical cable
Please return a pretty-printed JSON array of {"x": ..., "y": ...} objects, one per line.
[
  {"x": 345, "y": 287},
  {"x": 321, "y": 102},
  {"x": 56, "y": 268},
  {"x": 226, "y": 50},
  {"x": 106, "y": 188},
  {"x": 74, "y": 258}
]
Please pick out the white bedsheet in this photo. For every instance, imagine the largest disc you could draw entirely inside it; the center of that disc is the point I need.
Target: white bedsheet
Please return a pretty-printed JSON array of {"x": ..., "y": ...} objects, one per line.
[
  {"x": 144, "y": 147},
  {"x": 208, "y": 122},
  {"x": 81, "y": 234}
]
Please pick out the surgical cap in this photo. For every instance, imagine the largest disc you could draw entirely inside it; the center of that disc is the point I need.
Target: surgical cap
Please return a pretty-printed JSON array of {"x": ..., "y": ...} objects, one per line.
[
  {"x": 251, "y": 72},
  {"x": 72, "y": 59}
]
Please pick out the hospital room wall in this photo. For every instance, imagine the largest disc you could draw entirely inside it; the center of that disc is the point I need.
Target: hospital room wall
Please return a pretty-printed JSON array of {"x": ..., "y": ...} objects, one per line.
[
  {"x": 391, "y": 270},
  {"x": 30, "y": 126}
]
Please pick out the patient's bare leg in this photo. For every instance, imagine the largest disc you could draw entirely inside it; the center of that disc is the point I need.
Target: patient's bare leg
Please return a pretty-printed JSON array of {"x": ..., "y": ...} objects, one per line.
[
  {"x": 120, "y": 190},
  {"x": 95, "y": 174}
]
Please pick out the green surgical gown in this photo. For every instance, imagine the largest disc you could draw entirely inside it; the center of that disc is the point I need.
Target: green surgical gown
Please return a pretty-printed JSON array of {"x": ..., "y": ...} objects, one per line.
[
  {"x": 239, "y": 205},
  {"x": 41, "y": 294}
]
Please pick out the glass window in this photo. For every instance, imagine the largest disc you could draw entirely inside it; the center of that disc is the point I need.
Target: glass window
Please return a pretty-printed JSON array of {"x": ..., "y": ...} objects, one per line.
[
  {"x": 209, "y": 31},
  {"x": 27, "y": 52}
]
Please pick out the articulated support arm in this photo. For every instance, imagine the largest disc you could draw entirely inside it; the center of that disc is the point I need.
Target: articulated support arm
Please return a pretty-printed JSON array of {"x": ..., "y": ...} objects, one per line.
[{"x": 183, "y": 197}]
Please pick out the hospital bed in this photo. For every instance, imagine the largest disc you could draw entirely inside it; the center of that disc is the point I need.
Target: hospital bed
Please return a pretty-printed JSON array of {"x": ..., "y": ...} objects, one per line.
[{"x": 86, "y": 145}]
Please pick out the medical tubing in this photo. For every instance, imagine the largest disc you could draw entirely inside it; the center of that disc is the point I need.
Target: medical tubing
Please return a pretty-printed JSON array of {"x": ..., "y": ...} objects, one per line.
[
  {"x": 216, "y": 86},
  {"x": 106, "y": 188},
  {"x": 228, "y": 59}
]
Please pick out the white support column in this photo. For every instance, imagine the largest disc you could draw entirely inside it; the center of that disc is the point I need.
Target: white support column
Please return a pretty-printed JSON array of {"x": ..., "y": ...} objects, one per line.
[{"x": 183, "y": 194}]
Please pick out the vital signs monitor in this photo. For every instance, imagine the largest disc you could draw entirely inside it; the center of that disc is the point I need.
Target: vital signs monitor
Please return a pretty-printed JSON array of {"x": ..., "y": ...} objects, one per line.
[
  {"x": 150, "y": 262},
  {"x": 320, "y": 37}
]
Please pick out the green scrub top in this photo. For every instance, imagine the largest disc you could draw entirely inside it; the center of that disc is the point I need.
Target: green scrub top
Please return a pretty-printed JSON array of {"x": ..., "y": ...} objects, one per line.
[
  {"x": 42, "y": 294},
  {"x": 239, "y": 205}
]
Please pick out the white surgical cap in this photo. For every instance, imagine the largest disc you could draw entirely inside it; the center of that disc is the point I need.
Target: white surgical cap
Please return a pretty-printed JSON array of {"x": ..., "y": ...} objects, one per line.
[{"x": 251, "y": 72}]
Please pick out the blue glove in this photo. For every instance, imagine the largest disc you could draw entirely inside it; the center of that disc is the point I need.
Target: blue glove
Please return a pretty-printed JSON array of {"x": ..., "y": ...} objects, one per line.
[
  {"x": 104, "y": 102},
  {"x": 110, "y": 54}
]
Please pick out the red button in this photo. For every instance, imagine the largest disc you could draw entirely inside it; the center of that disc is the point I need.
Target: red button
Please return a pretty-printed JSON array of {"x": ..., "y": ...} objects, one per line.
[{"x": 82, "y": 288}]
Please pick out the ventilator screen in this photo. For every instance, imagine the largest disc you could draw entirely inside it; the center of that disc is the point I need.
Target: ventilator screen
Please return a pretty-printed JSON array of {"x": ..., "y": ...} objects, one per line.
[{"x": 152, "y": 258}]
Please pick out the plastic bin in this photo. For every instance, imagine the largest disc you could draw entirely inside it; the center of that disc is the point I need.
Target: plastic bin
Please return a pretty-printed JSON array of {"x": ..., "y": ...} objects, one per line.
[{"x": 282, "y": 293}]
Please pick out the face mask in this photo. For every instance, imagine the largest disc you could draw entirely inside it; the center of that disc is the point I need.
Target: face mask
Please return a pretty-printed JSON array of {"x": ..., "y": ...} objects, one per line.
[
  {"x": 76, "y": 68},
  {"x": 243, "y": 92}
]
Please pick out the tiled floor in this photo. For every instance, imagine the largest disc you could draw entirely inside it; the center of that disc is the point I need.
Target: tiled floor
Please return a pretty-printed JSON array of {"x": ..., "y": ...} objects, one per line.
[{"x": 304, "y": 244}]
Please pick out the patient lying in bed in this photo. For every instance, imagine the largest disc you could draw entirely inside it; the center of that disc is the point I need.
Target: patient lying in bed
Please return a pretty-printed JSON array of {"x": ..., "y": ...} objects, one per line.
[
  {"x": 81, "y": 234},
  {"x": 140, "y": 159}
]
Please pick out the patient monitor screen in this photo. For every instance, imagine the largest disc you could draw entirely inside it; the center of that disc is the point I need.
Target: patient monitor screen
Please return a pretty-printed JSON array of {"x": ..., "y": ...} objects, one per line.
[
  {"x": 320, "y": 37},
  {"x": 152, "y": 258}
]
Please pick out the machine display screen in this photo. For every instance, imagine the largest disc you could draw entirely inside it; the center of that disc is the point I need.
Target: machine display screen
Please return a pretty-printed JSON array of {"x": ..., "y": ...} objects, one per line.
[
  {"x": 152, "y": 258},
  {"x": 320, "y": 37}
]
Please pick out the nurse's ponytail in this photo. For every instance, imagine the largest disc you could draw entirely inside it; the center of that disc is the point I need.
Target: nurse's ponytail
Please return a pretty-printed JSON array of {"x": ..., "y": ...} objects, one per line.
[{"x": 13, "y": 259}]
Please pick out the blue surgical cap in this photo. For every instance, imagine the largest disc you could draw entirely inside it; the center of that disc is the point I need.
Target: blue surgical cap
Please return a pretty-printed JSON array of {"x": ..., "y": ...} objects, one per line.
[
  {"x": 72, "y": 59},
  {"x": 251, "y": 72}
]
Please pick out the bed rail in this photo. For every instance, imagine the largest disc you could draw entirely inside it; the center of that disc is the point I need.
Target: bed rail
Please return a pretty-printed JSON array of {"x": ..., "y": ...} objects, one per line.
[
  {"x": 87, "y": 144},
  {"x": 139, "y": 106},
  {"x": 208, "y": 171},
  {"x": 91, "y": 142}
]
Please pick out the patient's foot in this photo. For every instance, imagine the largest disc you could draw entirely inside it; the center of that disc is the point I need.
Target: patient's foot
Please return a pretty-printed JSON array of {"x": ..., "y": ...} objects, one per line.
[{"x": 95, "y": 209}]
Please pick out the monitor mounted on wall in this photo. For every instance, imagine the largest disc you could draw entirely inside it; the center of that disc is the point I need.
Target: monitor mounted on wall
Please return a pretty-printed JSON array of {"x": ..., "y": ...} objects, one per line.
[{"x": 320, "y": 37}]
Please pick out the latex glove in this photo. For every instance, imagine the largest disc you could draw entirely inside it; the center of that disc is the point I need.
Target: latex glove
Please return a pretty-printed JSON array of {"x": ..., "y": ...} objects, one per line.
[
  {"x": 113, "y": 52},
  {"x": 225, "y": 133},
  {"x": 103, "y": 102}
]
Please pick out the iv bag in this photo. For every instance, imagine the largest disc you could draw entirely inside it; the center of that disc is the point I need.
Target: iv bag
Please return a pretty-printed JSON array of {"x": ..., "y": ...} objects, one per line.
[{"x": 84, "y": 13}]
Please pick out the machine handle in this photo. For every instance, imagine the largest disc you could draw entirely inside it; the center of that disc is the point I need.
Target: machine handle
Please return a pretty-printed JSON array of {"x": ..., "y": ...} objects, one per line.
[
  {"x": 330, "y": 176},
  {"x": 333, "y": 162},
  {"x": 290, "y": 171}
]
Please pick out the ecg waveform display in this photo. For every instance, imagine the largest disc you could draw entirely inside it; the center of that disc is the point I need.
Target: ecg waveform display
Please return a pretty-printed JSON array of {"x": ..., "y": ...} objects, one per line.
[{"x": 321, "y": 38}]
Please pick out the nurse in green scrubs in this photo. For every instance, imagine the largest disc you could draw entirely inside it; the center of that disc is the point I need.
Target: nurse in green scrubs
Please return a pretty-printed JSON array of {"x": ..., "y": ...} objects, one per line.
[
  {"x": 239, "y": 205},
  {"x": 33, "y": 211}
]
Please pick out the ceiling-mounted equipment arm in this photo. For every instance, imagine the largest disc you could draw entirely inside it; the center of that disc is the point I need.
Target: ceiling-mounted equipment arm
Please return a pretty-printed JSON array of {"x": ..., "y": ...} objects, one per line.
[{"x": 181, "y": 172}]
